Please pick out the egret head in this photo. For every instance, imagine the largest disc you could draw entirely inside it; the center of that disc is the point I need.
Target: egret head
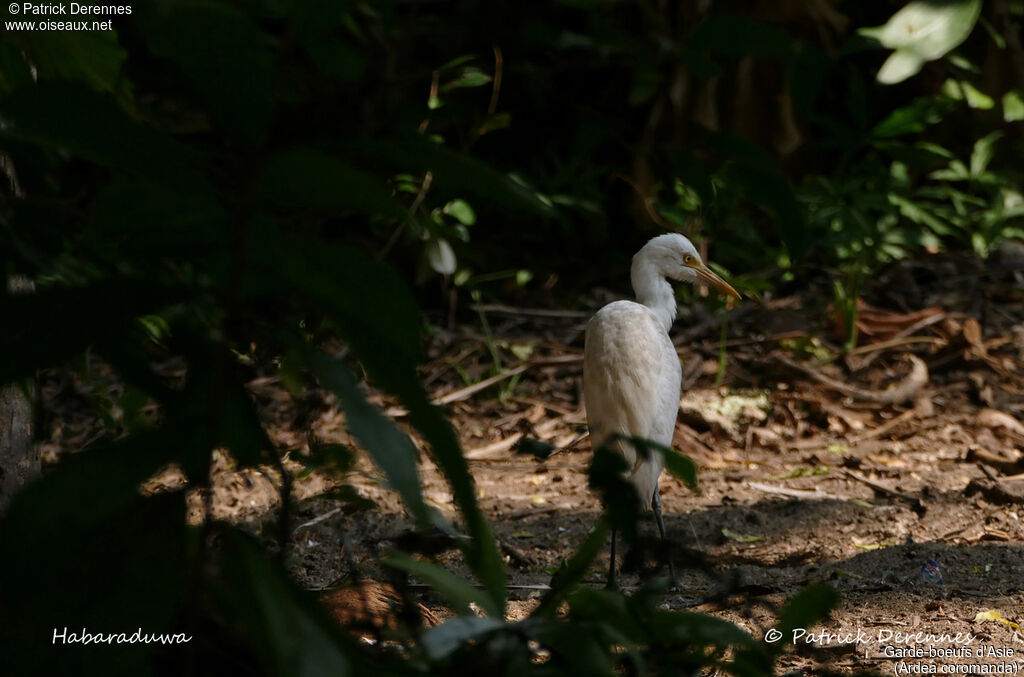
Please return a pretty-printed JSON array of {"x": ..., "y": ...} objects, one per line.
[{"x": 675, "y": 257}]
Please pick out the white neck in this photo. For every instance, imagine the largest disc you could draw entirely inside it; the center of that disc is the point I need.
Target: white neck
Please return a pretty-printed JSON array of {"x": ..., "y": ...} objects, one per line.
[{"x": 653, "y": 290}]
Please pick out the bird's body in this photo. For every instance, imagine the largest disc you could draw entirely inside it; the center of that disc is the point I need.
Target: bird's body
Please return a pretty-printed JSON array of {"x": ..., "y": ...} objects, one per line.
[
  {"x": 631, "y": 371},
  {"x": 631, "y": 383}
]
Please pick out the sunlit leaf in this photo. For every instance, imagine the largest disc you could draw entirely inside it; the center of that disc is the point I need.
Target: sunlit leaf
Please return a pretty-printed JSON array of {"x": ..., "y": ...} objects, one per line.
[
  {"x": 922, "y": 31},
  {"x": 741, "y": 538},
  {"x": 460, "y": 211},
  {"x": 1013, "y": 106},
  {"x": 981, "y": 154},
  {"x": 965, "y": 91},
  {"x": 440, "y": 256}
]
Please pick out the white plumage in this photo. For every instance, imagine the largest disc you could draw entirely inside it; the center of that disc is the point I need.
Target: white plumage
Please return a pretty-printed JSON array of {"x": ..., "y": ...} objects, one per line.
[
  {"x": 631, "y": 378},
  {"x": 631, "y": 371}
]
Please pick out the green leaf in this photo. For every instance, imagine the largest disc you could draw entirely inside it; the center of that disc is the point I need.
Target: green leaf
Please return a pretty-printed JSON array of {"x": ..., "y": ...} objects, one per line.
[
  {"x": 964, "y": 91},
  {"x": 92, "y": 58},
  {"x": 764, "y": 187},
  {"x": 461, "y": 212},
  {"x": 377, "y": 317},
  {"x": 455, "y": 172},
  {"x": 321, "y": 28},
  {"x": 693, "y": 174},
  {"x": 78, "y": 569},
  {"x": 71, "y": 319},
  {"x": 457, "y": 61},
  {"x": 443, "y": 640},
  {"x": 306, "y": 178},
  {"x": 481, "y": 549},
  {"x": 805, "y": 609},
  {"x": 495, "y": 122},
  {"x": 370, "y": 304},
  {"x": 470, "y": 77},
  {"x": 575, "y": 647},
  {"x": 920, "y": 215},
  {"x": 922, "y": 31},
  {"x": 680, "y": 465},
  {"x": 99, "y": 132},
  {"x": 456, "y": 591},
  {"x": 607, "y": 476},
  {"x": 740, "y": 538},
  {"x": 89, "y": 547},
  {"x": 698, "y": 629},
  {"x": 981, "y": 154},
  {"x": 138, "y": 221},
  {"x": 389, "y": 447},
  {"x": 1013, "y": 106},
  {"x": 224, "y": 56},
  {"x": 105, "y": 479},
  {"x": 572, "y": 570},
  {"x": 913, "y": 118},
  {"x": 241, "y": 428},
  {"x": 284, "y": 625},
  {"x": 440, "y": 256},
  {"x": 336, "y": 456},
  {"x": 217, "y": 405}
]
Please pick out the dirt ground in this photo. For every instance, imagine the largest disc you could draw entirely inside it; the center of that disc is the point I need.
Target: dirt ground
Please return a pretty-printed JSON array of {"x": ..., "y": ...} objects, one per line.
[{"x": 858, "y": 471}]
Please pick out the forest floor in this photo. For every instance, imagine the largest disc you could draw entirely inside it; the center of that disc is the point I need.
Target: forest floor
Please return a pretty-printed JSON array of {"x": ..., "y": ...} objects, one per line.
[{"x": 855, "y": 468}]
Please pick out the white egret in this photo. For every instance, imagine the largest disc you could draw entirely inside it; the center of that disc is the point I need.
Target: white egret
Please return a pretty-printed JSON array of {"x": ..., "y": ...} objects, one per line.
[{"x": 631, "y": 373}]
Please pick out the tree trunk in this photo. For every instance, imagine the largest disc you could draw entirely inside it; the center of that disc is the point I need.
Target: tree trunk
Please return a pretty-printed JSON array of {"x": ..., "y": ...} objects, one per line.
[{"x": 19, "y": 456}]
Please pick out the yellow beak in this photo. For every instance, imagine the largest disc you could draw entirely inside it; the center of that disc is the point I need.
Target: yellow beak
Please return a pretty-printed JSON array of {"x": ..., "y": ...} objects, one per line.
[{"x": 710, "y": 278}]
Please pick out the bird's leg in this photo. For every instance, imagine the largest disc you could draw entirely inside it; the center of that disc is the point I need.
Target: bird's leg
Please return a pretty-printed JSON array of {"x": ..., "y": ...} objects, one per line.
[
  {"x": 612, "y": 583},
  {"x": 666, "y": 552}
]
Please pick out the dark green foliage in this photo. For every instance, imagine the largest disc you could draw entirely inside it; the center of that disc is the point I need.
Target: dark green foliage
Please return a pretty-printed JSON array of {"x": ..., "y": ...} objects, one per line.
[
  {"x": 378, "y": 434},
  {"x": 290, "y": 633},
  {"x": 226, "y": 183},
  {"x": 806, "y": 607}
]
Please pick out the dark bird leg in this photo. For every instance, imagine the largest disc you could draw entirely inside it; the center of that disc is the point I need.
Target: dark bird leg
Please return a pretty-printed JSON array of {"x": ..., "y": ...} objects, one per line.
[
  {"x": 612, "y": 583},
  {"x": 666, "y": 552}
]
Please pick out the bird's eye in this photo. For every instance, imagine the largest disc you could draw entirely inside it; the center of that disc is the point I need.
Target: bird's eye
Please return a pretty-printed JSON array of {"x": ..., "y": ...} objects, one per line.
[{"x": 688, "y": 259}]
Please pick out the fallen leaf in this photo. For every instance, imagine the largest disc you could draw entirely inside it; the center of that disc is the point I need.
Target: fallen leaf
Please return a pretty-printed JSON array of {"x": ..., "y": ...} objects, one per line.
[
  {"x": 740, "y": 538},
  {"x": 993, "y": 615},
  {"x": 972, "y": 333}
]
